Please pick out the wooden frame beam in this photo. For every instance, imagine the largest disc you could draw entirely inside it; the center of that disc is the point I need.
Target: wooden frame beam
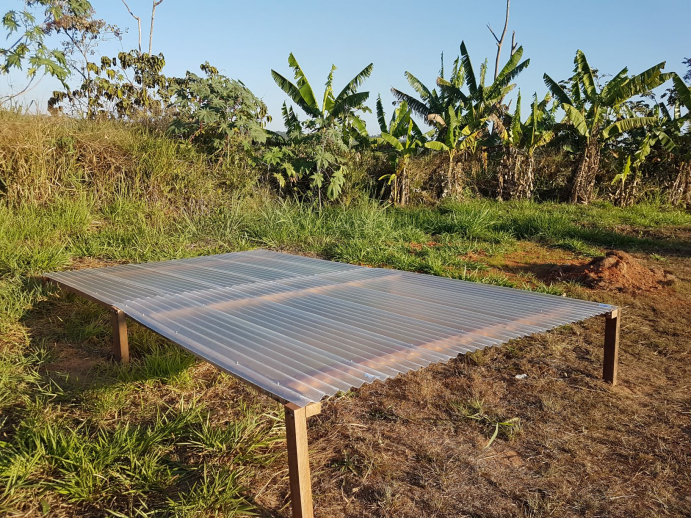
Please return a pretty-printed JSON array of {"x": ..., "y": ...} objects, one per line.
[
  {"x": 298, "y": 458},
  {"x": 610, "y": 365},
  {"x": 121, "y": 346}
]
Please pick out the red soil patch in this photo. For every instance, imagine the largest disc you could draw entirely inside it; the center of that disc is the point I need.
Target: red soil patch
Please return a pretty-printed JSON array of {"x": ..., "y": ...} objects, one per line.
[{"x": 617, "y": 271}]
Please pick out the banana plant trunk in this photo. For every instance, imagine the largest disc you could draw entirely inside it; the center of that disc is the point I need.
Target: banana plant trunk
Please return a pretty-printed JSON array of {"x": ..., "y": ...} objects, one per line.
[
  {"x": 506, "y": 173},
  {"x": 403, "y": 190},
  {"x": 627, "y": 193},
  {"x": 680, "y": 193},
  {"x": 453, "y": 185},
  {"x": 515, "y": 175},
  {"x": 404, "y": 186},
  {"x": 527, "y": 179},
  {"x": 584, "y": 180}
]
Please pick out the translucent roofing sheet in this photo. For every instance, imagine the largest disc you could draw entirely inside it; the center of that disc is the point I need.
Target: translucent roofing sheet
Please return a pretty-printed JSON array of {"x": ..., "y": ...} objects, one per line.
[{"x": 301, "y": 328}]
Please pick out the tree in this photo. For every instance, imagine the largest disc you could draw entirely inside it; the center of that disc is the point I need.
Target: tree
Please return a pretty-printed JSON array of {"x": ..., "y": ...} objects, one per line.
[
  {"x": 462, "y": 133},
  {"x": 485, "y": 99},
  {"x": 461, "y": 118},
  {"x": 473, "y": 110},
  {"x": 332, "y": 129},
  {"x": 643, "y": 141},
  {"x": 82, "y": 35},
  {"x": 341, "y": 109},
  {"x": 405, "y": 138},
  {"x": 433, "y": 102},
  {"x": 32, "y": 26},
  {"x": 596, "y": 116},
  {"x": 520, "y": 142},
  {"x": 677, "y": 128},
  {"x": 128, "y": 86},
  {"x": 216, "y": 111}
]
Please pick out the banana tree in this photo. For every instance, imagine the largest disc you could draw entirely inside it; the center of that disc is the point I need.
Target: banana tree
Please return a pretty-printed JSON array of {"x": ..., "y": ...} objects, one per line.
[
  {"x": 462, "y": 135},
  {"x": 325, "y": 138},
  {"x": 536, "y": 132},
  {"x": 678, "y": 130},
  {"x": 431, "y": 101},
  {"x": 520, "y": 142},
  {"x": 590, "y": 113},
  {"x": 405, "y": 137},
  {"x": 335, "y": 110},
  {"x": 486, "y": 99},
  {"x": 511, "y": 134},
  {"x": 655, "y": 135}
]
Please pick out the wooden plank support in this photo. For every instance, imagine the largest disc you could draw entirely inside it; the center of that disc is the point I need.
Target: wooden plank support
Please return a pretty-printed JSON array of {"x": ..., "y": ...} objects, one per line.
[
  {"x": 299, "y": 459},
  {"x": 121, "y": 347},
  {"x": 611, "y": 361},
  {"x": 313, "y": 409}
]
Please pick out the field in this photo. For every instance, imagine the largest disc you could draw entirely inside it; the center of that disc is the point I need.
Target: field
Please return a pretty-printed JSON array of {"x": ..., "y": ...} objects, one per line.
[{"x": 170, "y": 436}]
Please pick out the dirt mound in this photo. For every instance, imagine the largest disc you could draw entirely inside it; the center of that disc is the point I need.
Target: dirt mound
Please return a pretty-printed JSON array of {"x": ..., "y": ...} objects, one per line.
[{"x": 617, "y": 271}]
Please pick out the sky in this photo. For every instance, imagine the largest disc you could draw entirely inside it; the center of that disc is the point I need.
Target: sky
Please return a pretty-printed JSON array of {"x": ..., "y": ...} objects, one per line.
[{"x": 245, "y": 40}]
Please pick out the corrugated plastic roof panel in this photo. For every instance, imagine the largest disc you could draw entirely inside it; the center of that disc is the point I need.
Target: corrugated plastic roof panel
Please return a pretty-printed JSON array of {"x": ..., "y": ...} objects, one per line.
[{"x": 300, "y": 328}]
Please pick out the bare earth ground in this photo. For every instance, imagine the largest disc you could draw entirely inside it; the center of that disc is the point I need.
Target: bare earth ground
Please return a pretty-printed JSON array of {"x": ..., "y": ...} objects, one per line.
[{"x": 417, "y": 445}]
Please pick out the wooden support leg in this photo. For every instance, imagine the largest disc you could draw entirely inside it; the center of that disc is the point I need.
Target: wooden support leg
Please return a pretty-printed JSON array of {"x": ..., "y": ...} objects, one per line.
[
  {"x": 611, "y": 363},
  {"x": 121, "y": 347},
  {"x": 298, "y": 458}
]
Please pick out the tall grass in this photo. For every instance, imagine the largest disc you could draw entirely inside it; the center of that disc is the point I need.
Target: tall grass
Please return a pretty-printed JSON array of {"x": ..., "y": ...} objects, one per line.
[{"x": 44, "y": 157}]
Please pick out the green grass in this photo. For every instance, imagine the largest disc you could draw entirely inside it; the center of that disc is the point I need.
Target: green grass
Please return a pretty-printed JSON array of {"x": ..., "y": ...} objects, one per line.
[
  {"x": 63, "y": 441},
  {"x": 163, "y": 467}
]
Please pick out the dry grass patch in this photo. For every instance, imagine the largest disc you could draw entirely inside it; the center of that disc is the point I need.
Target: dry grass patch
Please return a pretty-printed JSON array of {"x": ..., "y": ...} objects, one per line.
[{"x": 410, "y": 448}]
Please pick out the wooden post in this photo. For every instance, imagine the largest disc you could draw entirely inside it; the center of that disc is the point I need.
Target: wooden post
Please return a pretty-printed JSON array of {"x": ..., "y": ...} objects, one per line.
[
  {"x": 611, "y": 362},
  {"x": 299, "y": 459},
  {"x": 121, "y": 347}
]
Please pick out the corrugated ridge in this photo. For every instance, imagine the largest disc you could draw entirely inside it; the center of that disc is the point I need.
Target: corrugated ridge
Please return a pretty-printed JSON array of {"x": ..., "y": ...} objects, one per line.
[{"x": 301, "y": 328}]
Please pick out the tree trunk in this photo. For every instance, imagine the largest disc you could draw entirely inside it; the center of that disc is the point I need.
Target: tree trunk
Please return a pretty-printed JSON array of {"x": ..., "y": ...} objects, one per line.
[
  {"x": 151, "y": 30},
  {"x": 680, "y": 193},
  {"x": 451, "y": 178},
  {"x": 505, "y": 174},
  {"x": 452, "y": 187},
  {"x": 139, "y": 26},
  {"x": 584, "y": 180},
  {"x": 404, "y": 186},
  {"x": 500, "y": 41},
  {"x": 501, "y": 179},
  {"x": 527, "y": 184},
  {"x": 626, "y": 194},
  {"x": 516, "y": 175}
]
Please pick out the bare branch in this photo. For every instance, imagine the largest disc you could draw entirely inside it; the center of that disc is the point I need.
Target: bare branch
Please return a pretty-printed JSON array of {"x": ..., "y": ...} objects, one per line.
[
  {"x": 500, "y": 41},
  {"x": 139, "y": 24},
  {"x": 30, "y": 86},
  {"x": 514, "y": 45},
  {"x": 495, "y": 36},
  {"x": 153, "y": 15}
]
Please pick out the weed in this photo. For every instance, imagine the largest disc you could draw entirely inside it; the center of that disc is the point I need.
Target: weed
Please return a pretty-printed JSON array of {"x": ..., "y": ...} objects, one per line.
[{"x": 496, "y": 426}]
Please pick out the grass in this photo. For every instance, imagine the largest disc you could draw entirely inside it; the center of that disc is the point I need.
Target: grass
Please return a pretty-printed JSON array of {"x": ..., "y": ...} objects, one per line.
[
  {"x": 170, "y": 436},
  {"x": 148, "y": 469},
  {"x": 100, "y": 439}
]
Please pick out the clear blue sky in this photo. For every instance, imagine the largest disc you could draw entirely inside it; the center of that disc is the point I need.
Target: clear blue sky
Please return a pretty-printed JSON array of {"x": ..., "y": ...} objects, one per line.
[{"x": 247, "y": 39}]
